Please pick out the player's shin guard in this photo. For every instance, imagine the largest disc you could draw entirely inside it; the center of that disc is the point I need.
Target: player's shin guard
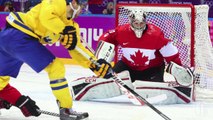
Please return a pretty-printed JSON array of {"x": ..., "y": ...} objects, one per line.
[
  {"x": 61, "y": 91},
  {"x": 64, "y": 100},
  {"x": 58, "y": 83}
]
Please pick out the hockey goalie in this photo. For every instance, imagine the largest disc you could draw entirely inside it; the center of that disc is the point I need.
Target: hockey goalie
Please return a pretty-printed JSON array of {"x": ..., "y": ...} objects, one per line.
[{"x": 146, "y": 56}]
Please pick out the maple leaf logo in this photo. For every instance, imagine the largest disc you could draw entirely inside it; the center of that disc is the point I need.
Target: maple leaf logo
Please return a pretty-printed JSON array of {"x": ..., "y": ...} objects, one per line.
[{"x": 139, "y": 59}]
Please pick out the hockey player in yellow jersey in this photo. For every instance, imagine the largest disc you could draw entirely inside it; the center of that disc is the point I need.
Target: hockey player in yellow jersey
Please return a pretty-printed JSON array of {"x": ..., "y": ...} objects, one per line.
[{"x": 22, "y": 42}]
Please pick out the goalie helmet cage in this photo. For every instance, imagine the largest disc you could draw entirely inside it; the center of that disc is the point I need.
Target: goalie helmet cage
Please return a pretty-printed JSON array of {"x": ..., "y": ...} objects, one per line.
[{"x": 187, "y": 26}]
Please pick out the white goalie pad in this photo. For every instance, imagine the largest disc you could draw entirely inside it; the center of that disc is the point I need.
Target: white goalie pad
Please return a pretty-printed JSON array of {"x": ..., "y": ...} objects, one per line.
[
  {"x": 105, "y": 51},
  {"x": 175, "y": 95},
  {"x": 88, "y": 88},
  {"x": 183, "y": 76}
]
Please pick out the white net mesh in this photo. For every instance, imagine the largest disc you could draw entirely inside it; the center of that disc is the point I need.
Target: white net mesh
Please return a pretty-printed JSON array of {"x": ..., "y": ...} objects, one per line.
[
  {"x": 203, "y": 54},
  {"x": 176, "y": 21}
]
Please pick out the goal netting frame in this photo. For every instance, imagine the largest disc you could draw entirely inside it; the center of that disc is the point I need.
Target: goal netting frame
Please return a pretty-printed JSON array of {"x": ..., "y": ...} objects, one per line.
[{"x": 187, "y": 26}]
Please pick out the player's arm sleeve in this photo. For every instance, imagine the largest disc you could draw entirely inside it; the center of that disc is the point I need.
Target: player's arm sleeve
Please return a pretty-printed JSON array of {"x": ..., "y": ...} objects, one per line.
[
  {"x": 78, "y": 56},
  {"x": 49, "y": 15},
  {"x": 169, "y": 51}
]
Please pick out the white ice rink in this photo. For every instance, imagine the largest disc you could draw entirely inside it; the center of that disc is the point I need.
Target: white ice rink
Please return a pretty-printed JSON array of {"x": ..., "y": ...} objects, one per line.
[{"x": 37, "y": 87}]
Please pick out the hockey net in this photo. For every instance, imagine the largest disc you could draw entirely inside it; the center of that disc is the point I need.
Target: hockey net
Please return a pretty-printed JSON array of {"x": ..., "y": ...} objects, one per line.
[{"x": 187, "y": 26}]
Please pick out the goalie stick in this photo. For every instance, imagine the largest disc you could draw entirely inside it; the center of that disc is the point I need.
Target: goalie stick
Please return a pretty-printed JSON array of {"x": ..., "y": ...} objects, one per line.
[{"x": 128, "y": 91}]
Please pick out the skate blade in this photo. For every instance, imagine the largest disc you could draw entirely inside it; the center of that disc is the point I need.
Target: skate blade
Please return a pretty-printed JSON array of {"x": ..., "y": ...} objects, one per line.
[{"x": 83, "y": 119}]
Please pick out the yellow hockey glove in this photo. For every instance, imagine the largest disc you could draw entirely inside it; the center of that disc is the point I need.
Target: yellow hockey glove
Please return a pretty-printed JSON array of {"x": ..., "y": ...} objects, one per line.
[
  {"x": 69, "y": 40},
  {"x": 101, "y": 70}
]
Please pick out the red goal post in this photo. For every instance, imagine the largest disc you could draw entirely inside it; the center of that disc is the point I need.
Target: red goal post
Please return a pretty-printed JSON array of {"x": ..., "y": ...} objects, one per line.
[{"x": 187, "y": 26}]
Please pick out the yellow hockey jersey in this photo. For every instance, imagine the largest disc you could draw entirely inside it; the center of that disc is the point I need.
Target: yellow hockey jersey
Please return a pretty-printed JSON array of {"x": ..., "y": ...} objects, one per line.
[{"x": 47, "y": 20}]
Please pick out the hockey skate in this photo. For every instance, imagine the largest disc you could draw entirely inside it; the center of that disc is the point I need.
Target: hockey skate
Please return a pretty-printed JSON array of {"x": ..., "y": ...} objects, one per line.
[{"x": 73, "y": 115}]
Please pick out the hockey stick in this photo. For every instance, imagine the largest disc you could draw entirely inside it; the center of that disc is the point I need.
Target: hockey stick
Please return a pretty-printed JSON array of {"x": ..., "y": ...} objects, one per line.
[
  {"x": 128, "y": 91},
  {"x": 85, "y": 44},
  {"x": 58, "y": 115}
]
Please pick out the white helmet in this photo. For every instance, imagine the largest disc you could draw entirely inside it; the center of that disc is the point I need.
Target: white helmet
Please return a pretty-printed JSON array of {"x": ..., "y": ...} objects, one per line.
[{"x": 137, "y": 19}]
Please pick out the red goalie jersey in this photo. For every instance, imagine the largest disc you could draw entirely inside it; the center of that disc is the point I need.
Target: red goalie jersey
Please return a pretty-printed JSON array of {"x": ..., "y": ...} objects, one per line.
[{"x": 141, "y": 53}]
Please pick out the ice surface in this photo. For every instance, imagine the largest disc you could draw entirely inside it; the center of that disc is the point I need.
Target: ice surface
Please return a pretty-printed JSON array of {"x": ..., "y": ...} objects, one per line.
[{"x": 37, "y": 87}]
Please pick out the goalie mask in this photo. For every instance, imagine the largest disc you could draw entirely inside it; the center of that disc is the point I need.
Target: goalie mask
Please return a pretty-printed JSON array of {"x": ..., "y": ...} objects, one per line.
[{"x": 137, "y": 19}]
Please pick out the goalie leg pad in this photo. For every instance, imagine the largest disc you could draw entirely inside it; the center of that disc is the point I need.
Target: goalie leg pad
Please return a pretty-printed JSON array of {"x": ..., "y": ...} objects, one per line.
[
  {"x": 88, "y": 88},
  {"x": 175, "y": 95}
]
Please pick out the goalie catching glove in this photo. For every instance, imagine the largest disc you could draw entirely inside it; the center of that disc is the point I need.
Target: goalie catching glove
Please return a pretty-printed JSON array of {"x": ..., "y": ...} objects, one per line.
[
  {"x": 102, "y": 68},
  {"x": 69, "y": 40},
  {"x": 183, "y": 76}
]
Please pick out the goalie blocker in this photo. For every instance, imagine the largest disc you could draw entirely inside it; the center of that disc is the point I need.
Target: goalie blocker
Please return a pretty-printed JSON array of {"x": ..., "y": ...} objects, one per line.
[
  {"x": 89, "y": 88},
  {"x": 105, "y": 51}
]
